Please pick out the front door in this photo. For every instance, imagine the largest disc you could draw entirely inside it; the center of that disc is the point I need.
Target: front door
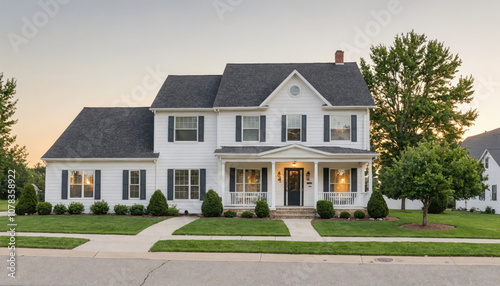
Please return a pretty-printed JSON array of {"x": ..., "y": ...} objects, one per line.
[{"x": 293, "y": 186}]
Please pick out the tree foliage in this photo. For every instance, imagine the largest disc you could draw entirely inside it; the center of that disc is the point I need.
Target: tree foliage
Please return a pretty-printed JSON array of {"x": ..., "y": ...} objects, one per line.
[
  {"x": 417, "y": 92},
  {"x": 431, "y": 170}
]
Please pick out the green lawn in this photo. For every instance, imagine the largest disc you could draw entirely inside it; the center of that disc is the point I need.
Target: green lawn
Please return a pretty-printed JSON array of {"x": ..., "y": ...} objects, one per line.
[
  {"x": 468, "y": 225},
  {"x": 338, "y": 248},
  {"x": 43, "y": 242},
  {"x": 3, "y": 205},
  {"x": 81, "y": 224},
  {"x": 213, "y": 226}
]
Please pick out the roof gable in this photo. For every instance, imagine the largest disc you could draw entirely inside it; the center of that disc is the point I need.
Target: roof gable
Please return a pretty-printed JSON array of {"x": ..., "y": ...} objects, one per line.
[{"x": 485, "y": 141}]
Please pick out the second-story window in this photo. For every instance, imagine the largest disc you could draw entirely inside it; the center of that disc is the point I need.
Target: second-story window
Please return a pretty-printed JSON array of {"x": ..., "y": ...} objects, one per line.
[
  {"x": 486, "y": 162},
  {"x": 186, "y": 128},
  {"x": 340, "y": 127},
  {"x": 294, "y": 124},
  {"x": 250, "y": 128}
]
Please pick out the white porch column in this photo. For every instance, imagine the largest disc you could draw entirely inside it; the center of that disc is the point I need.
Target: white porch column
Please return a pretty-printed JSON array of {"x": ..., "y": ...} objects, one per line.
[
  {"x": 222, "y": 185},
  {"x": 273, "y": 185},
  {"x": 370, "y": 177},
  {"x": 316, "y": 183}
]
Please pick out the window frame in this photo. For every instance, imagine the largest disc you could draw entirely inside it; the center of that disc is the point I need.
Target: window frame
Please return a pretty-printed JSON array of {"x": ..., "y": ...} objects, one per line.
[
  {"x": 486, "y": 162},
  {"x": 332, "y": 127},
  {"x": 243, "y": 128},
  {"x": 244, "y": 183},
  {"x": 130, "y": 184},
  {"x": 82, "y": 191},
  {"x": 494, "y": 193},
  {"x": 189, "y": 185},
  {"x": 288, "y": 128},
  {"x": 186, "y": 129},
  {"x": 331, "y": 180}
]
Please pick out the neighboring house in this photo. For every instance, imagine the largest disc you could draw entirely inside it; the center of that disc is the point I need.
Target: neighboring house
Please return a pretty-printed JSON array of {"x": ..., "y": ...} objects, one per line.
[
  {"x": 485, "y": 147},
  {"x": 291, "y": 134}
]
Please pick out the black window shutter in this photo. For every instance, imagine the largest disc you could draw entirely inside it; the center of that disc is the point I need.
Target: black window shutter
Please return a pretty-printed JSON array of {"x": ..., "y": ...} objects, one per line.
[
  {"x": 170, "y": 184},
  {"x": 326, "y": 180},
  {"x": 354, "y": 126},
  {"x": 142, "y": 187},
  {"x": 283, "y": 128},
  {"x": 304, "y": 128},
  {"x": 354, "y": 180},
  {"x": 264, "y": 180},
  {"x": 125, "y": 185},
  {"x": 201, "y": 128},
  {"x": 232, "y": 180},
  {"x": 262, "y": 128},
  {"x": 238, "y": 128},
  {"x": 326, "y": 136},
  {"x": 170, "y": 129},
  {"x": 97, "y": 187},
  {"x": 64, "y": 185},
  {"x": 203, "y": 183}
]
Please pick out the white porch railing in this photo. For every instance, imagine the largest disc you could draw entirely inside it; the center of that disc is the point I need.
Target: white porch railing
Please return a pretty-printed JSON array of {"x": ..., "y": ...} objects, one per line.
[
  {"x": 245, "y": 199},
  {"x": 345, "y": 198}
]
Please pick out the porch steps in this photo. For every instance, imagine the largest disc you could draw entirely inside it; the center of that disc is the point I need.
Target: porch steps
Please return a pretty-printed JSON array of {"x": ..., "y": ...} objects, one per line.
[{"x": 294, "y": 213}]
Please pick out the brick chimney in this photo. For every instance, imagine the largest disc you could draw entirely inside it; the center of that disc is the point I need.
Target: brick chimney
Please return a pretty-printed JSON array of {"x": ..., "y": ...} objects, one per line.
[{"x": 339, "y": 57}]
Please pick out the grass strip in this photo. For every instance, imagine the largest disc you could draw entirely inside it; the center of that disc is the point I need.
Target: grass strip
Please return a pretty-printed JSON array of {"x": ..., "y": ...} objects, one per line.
[
  {"x": 43, "y": 242},
  {"x": 247, "y": 227}
]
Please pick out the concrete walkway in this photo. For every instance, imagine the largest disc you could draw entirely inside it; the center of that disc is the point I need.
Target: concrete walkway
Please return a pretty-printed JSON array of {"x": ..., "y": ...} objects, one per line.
[{"x": 302, "y": 230}]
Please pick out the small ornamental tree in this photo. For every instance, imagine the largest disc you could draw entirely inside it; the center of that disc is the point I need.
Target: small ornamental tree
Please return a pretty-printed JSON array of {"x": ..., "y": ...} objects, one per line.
[
  {"x": 431, "y": 170},
  {"x": 28, "y": 201},
  {"x": 262, "y": 209},
  {"x": 377, "y": 207},
  {"x": 157, "y": 204},
  {"x": 212, "y": 205}
]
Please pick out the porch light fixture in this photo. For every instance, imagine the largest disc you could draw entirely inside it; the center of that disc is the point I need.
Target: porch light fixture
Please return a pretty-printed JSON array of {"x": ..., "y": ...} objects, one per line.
[
  {"x": 279, "y": 177},
  {"x": 294, "y": 163},
  {"x": 308, "y": 175}
]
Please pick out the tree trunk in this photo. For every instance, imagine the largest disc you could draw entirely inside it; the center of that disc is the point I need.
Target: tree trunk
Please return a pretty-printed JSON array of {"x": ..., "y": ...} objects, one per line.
[
  {"x": 424, "y": 219},
  {"x": 403, "y": 203}
]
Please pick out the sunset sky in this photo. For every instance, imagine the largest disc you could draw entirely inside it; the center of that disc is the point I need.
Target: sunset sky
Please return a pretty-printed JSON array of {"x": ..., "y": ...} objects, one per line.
[{"x": 67, "y": 55}]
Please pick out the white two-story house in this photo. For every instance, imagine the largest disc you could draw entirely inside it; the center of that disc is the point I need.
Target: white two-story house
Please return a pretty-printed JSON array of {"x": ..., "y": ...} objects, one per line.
[{"x": 291, "y": 134}]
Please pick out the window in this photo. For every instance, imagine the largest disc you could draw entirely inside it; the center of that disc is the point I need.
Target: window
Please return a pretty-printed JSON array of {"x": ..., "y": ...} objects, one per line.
[
  {"x": 340, "y": 127},
  {"x": 340, "y": 180},
  {"x": 81, "y": 184},
  {"x": 494, "y": 192},
  {"x": 134, "y": 178},
  {"x": 187, "y": 184},
  {"x": 486, "y": 162},
  {"x": 482, "y": 196},
  {"x": 294, "y": 124},
  {"x": 248, "y": 180},
  {"x": 186, "y": 128},
  {"x": 294, "y": 91},
  {"x": 251, "y": 128}
]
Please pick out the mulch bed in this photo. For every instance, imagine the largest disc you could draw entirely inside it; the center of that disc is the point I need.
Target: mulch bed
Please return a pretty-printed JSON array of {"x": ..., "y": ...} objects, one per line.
[{"x": 430, "y": 226}]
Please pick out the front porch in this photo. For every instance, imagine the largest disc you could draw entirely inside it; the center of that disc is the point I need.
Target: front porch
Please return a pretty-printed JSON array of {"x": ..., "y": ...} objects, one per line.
[{"x": 295, "y": 176}]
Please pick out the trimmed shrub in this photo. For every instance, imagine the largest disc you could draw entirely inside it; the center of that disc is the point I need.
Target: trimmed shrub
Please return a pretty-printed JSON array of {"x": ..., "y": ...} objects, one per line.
[
  {"x": 359, "y": 214},
  {"x": 262, "y": 209},
  {"x": 325, "y": 209},
  {"x": 230, "y": 213},
  {"x": 452, "y": 203},
  {"x": 489, "y": 210},
  {"x": 247, "y": 214},
  {"x": 173, "y": 211},
  {"x": 60, "y": 209},
  {"x": 44, "y": 208},
  {"x": 75, "y": 208},
  {"x": 212, "y": 205},
  {"x": 28, "y": 201},
  {"x": 100, "y": 208},
  {"x": 137, "y": 209},
  {"x": 473, "y": 209},
  {"x": 377, "y": 207},
  {"x": 120, "y": 209},
  {"x": 438, "y": 204},
  {"x": 41, "y": 196},
  {"x": 345, "y": 214},
  {"x": 157, "y": 204}
]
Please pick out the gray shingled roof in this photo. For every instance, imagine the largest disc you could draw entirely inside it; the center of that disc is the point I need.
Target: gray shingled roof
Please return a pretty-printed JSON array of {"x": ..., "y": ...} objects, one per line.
[
  {"x": 260, "y": 149},
  {"x": 107, "y": 133},
  {"x": 488, "y": 140},
  {"x": 251, "y": 84},
  {"x": 188, "y": 91}
]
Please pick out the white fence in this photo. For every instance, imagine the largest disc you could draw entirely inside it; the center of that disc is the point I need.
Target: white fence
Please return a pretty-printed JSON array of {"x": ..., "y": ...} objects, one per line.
[{"x": 246, "y": 199}]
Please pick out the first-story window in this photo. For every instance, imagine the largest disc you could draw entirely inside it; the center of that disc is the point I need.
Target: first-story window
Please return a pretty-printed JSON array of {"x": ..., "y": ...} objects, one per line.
[
  {"x": 187, "y": 184},
  {"x": 248, "y": 180},
  {"x": 340, "y": 127},
  {"x": 186, "y": 128},
  {"x": 494, "y": 192},
  {"x": 294, "y": 124},
  {"x": 340, "y": 180},
  {"x": 134, "y": 184},
  {"x": 81, "y": 184},
  {"x": 482, "y": 196},
  {"x": 251, "y": 128}
]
